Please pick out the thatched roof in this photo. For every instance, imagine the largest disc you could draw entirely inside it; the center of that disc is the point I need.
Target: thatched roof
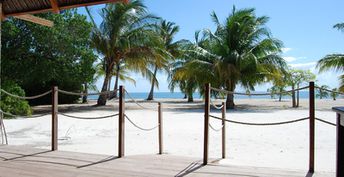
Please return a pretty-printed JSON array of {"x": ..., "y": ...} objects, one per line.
[{"x": 21, "y": 7}]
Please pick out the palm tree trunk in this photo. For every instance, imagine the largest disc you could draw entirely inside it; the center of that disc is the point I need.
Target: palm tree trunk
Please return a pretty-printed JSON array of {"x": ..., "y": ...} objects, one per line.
[
  {"x": 298, "y": 96},
  {"x": 84, "y": 97},
  {"x": 293, "y": 96},
  {"x": 190, "y": 98},
  {"x": 118, "y": 68},
  {"x": 280, "y": 95},
  {"x": 230, "y": 97},
  {"x": 151, "y": 92},
  {"x": 103, "y": 97}
]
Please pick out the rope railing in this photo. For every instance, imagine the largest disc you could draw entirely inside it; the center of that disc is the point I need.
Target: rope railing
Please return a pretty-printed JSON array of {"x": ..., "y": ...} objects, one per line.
[
  {"x": 139, "y": 127},
  {"x": 4, "y": 139},
  {"x": 26, "y": 97},
  {"x": 261, "y": 124},
  {"x": 257, "y": 94},
  {"x": 19, "y": 116},
  {"x": 140, "y": 105},
  {"x": 215, "y": 106},
  {"x": 88, "y": 118},
  {"x": 215, "y": 129},
  {"x": 331, "y": 91},
  {"x": 326, "y": 122},
  {"x": 86, "y": 94}
]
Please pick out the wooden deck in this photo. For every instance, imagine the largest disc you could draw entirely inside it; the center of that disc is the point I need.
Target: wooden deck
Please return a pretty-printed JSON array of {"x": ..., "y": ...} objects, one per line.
[{"x": 22, "y": 161}]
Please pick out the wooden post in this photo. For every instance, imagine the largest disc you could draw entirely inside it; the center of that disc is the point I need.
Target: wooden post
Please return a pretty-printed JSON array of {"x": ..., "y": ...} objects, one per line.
[
  {"x": 223, "y": 130},
  {"x": 160, "y": 128},
  {"x": 121, "y": 119},
  {"x": 54, "y": 119},
  {"x": 206, "y": 123},
  {"x": 311, "y": 126},
  {"x": 340, "y": 145},
  {"x": 340, "y": 141}
]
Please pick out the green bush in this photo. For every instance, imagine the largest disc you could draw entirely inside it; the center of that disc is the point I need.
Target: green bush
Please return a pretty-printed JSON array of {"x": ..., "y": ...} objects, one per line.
[{"x": 13, "y": 105}]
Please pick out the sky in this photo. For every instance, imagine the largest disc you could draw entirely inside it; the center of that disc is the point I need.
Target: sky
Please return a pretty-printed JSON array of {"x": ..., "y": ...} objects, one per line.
[{"x": 305, "y": 27}]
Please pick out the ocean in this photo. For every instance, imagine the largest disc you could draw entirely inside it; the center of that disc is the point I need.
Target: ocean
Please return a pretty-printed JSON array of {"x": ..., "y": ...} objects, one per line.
[{"x": 179, "y": 95}]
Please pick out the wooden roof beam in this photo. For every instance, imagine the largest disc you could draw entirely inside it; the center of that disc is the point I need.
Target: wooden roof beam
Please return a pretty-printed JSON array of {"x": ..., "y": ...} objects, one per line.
[
  {"x": 55, "y": 6},
  {"x": 66, "y": 7},
  {"x": 36, "y": 20}
]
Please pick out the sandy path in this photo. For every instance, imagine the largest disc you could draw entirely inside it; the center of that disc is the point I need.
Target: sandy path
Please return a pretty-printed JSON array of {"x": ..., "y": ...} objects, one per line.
[{"x": 284, "y": 146}]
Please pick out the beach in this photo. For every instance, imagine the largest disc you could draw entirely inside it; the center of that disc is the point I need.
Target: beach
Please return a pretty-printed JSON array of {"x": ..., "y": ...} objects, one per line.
[{"x": 278, "y": 146}]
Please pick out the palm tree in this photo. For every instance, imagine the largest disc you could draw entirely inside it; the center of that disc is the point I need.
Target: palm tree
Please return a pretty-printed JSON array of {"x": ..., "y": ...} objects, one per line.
[
  {"x": 334, "y": 94},
  {"x": 240, "y": 51},
  {"x": 334, "y": 61},
  {"x": 124, "y": 36},
  {"x": 123, "y": 75},
  {"x": 295, "y": 79},
  {"x": 322, "y": 93},
  {"x": 166, "y": 31}
]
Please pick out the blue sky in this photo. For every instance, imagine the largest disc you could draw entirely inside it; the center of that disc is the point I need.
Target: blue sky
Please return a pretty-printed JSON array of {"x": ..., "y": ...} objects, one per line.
[{"x": 305, "y": 27}]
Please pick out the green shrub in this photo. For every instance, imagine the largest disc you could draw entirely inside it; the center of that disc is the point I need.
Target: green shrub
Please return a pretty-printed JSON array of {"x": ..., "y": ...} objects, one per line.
[{"x": 13, "y": 105}]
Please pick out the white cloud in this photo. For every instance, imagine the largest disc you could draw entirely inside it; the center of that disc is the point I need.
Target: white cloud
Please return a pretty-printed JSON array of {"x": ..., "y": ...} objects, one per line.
[
  {"x": 286, "y": 49},
  {"x": 289, "y": 59},
  {"x": 308, "y": 65}
]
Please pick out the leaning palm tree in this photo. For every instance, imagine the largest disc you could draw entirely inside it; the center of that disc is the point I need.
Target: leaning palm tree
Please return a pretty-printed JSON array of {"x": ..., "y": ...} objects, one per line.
[
  {"x": 166, "y": 31},
  {"x": 240, "y": 51},
  {"x": 124, "y": 35},
  {"x": 322, "y": 91},
  {"x": 334, "y": 61}
]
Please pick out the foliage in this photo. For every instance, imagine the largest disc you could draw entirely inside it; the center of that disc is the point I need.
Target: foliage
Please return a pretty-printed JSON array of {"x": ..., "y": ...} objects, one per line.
[
  {"x": 240, "y": 51},
  {"x": 124, "y": 37},
  {"x": 334, "y": 94},
  {"x": 13, "y": 105},
  {"x": 334, "y": 61},
  {"x": 291, "y": 78},
  {"x": 322, "y": 93},
  {"x": 38, "y": 57},
  {"x": 166, "y": 31}
]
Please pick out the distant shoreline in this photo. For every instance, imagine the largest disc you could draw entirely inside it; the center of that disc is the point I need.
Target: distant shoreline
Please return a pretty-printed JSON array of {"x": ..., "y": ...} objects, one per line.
[{"x": 180, "y": 95}]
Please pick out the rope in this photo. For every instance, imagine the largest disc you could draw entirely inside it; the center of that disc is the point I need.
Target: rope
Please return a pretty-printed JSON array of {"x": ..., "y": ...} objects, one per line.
[
  {"x": 340, "y": 93},
  {"x": 214, "y": 105},
  {"x": 262, "y": 124},
  {"x": 86, "y": 94},
  {"x": 16, "y": 116},
  {"x": 256, "y": 94},
  {"x": 88, "y": 118},
  {"x": 26, "y": 97},
  {"x": 144, "y": 129},
  {"x": 326, "y": 122},
  {"x": 3, "y": 129},
  {"x": 143, "y": 107},
  {"x": 217, "y": 130}
]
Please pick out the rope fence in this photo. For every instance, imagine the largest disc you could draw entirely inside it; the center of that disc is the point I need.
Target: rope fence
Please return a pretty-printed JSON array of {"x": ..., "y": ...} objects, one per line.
[
  {"x": 215, "y": 129},
  {"x": 139, "y": 127},
  {"x": 26, "y": 97},
  {"x": 261, "y": 124},
  {"x": 19, "y": 116},
  {"x": 4, "y": 139},
  {"x": 326, "y": 122},
  {"x": 215, "y": 106},
  {"x": 88, "y": 118},
  {"x": 86, "y": 94},
  {"x": 257, "y": 94},
  {"x": 331, "y": 91}
]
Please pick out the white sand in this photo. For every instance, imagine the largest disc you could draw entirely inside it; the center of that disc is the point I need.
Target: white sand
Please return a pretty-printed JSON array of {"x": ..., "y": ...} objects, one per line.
[{"x": 283, "y": 146}]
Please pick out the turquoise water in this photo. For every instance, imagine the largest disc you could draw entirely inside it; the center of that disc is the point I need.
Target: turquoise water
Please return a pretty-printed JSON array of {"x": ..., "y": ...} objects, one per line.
[{"x": 179, "y": 95}]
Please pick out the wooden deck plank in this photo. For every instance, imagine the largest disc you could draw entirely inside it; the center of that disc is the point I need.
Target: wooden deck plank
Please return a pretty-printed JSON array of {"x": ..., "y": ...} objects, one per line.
[{"x": 32, "y": 162}]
